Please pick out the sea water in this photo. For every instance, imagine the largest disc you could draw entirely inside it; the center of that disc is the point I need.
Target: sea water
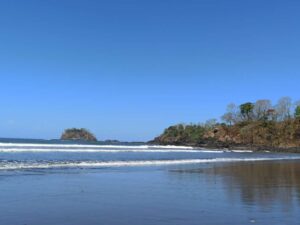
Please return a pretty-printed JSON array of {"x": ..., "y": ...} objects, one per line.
[{"x": 69, "y": 184}]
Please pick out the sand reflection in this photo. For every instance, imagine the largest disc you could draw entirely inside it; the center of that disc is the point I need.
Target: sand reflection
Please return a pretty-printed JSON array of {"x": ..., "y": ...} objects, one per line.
[{"x": 258, "y": 183}]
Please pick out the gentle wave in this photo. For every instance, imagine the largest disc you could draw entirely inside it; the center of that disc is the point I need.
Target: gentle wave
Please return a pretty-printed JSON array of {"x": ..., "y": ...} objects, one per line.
[
  {"x": 94, "y": 146},
  {"x": 239, "y": 151},
  {"x": 71, "y": 150},
  {"x": 97, "y": 164}
]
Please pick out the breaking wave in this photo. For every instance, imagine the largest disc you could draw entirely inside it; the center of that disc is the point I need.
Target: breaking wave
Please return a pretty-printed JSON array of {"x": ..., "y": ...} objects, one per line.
[
  {"x": 101, "y": 150},
  {"x": 8, "y": 165},
  {"x": 28, "y": 147},
  {"x": 25, "y": 145}
]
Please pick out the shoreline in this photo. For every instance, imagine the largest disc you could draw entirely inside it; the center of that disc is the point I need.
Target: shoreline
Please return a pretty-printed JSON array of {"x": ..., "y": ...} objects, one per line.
[
  {"x": 232, "y": 147},
  {"x": 213, "y": 146}
]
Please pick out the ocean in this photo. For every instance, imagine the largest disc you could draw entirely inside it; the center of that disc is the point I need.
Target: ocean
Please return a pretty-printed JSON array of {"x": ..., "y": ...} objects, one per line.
[{"x": 66, "y": 183}]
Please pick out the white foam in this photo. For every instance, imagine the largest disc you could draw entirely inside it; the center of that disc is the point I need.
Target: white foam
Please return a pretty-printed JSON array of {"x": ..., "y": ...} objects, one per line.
[
  {"x": 210, "y": 151},
  {"x": 17, "y": 165},
  {"x": 240, "y": 151},
  {"x": 94, "y": 146},
  {"x": 97, "y": 150}
]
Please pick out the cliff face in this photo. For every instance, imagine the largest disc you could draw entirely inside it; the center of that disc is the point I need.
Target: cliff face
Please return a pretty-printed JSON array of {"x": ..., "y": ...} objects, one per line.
[{"x": 78, "y": 134}]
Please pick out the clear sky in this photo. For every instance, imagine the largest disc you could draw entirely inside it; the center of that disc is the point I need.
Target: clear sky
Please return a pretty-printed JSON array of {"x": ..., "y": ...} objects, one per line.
[{"x": 127, "y": 69}]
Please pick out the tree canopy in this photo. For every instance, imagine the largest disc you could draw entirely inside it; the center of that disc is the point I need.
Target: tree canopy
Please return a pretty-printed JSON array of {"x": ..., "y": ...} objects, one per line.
[{"x": 251, "y": 124}]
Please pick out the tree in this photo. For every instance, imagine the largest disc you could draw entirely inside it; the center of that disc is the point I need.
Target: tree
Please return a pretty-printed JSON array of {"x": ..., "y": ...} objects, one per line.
[
  {"x": 271, "y": 114},
  {"x": 211, "y": 123},
  {"x": 231, "y": 116},
  {"x": 297, "y": 103},
  {"x": 297, "y": 112},
  {"x": 295, "y": 109},
  {"x": 261, "y": 108},
  {"x": 283, "y": 108},
  {"x": 247, "y": 110}
]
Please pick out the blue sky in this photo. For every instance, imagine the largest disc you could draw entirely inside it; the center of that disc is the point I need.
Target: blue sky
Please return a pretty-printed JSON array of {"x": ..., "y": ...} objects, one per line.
[{"x": 126, "y": 69}]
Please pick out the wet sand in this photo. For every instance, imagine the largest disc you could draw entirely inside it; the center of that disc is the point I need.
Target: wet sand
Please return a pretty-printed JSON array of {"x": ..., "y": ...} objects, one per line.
[{"x": 214, "y": 193}]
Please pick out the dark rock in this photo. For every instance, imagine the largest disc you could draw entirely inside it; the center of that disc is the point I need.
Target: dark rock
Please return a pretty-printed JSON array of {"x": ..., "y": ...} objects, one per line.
[{"x": 78, "y": 134}]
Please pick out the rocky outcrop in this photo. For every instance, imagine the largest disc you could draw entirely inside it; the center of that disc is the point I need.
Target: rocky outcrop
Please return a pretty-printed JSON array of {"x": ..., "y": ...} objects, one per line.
[
  {"x": 282, "y": 136},
  {"x": 78, "y": 134}
]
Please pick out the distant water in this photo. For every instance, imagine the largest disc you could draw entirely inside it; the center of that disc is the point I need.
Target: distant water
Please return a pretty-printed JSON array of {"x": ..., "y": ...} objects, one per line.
[{"x": 54, "y": 182}]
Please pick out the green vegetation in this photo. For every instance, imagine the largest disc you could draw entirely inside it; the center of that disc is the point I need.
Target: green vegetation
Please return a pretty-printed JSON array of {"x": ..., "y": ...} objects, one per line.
[
  {"x": 297, "y": 112},
  {"x": 258, "y": 125},
  {"x": 246, "y": 110},
  {"x": 78, "y": 134},
  {"x": 181, "y": 134}
]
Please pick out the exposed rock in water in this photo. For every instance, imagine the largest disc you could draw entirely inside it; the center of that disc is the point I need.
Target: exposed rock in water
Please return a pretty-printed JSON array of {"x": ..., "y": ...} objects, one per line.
[
  {"x": 112, "y": 141},
  {"x": 78, "y": 134}
]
